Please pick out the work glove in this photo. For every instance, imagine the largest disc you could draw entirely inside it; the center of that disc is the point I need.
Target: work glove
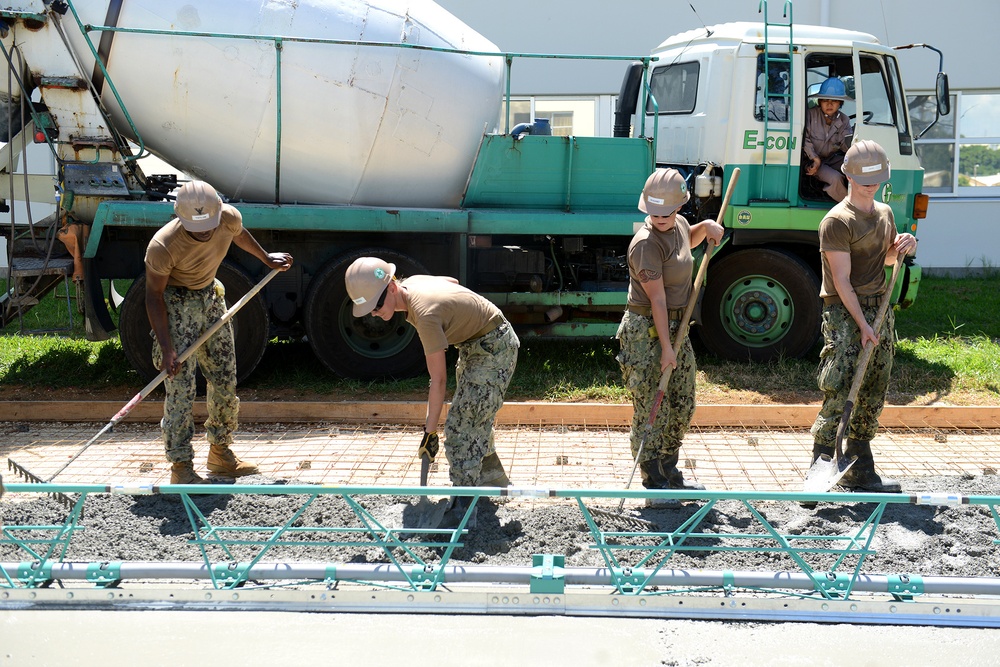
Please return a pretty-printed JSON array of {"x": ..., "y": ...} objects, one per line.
[{"x": 428, "y": 445}]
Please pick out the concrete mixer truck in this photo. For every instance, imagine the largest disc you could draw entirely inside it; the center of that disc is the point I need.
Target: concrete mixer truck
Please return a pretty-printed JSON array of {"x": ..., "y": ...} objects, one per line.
[{"x": 342, "y": 128}]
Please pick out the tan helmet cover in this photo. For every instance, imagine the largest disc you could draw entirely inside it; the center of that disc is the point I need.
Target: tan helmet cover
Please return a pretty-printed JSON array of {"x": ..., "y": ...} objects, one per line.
[
  {"x": 866, "y": 163},
  {"x": 198, "y": 206},
  {"x": 366, "y": 279},
  {"x": 665, "y": 192}
]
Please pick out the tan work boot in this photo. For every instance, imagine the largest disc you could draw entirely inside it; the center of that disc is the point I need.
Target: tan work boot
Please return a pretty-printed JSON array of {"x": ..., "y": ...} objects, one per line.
[
  {"x": 222, "y": 461},
  {"x": 182, "y": 472}
]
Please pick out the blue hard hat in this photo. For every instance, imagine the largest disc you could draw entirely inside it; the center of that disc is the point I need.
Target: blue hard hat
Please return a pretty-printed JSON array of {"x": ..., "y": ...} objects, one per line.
[{"x": 832, "y": 89}]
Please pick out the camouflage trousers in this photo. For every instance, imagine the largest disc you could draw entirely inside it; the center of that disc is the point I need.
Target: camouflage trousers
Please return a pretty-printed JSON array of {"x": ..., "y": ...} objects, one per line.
[
  {"x": 485, "y": 367},
  {"x": 639, "y": 359},
  {"x": 189, "y": 314},
  {"x": 837, "y": 364}
]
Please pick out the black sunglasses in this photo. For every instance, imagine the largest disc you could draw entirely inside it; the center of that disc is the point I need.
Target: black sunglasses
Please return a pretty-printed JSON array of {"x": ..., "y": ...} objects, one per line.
[{"x": 381, "y": 299}]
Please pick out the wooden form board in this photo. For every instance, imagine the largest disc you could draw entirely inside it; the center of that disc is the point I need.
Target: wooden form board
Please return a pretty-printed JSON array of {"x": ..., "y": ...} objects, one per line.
[{"x": 527, "y": 413}]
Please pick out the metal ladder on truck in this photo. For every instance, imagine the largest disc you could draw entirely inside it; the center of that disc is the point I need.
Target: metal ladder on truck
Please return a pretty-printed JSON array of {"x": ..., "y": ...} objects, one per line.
[{"x": 776, "y": 180}]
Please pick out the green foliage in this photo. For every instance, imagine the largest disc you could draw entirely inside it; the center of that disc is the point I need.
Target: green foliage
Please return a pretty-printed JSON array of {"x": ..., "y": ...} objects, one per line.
[
  {"x": 56, "y": 362},
  {"x": 953, "y": 307},
  {"x": 949, "y": 348},
  {"x": 987, "y": 158}
]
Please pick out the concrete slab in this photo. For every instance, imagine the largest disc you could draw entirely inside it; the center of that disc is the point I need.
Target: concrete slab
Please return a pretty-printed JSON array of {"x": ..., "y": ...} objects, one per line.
[{"x": 280, "y": 638}]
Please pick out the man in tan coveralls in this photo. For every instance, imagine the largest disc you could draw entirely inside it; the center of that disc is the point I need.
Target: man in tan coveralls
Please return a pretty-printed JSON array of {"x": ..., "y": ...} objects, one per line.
[
  {"x": 184, "y": 299},
  {"x": 826, "y": 137}
]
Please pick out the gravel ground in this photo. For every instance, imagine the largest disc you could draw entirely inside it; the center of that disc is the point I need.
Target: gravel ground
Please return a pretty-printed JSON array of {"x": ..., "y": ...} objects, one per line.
[{"x": 917, "y": 539}]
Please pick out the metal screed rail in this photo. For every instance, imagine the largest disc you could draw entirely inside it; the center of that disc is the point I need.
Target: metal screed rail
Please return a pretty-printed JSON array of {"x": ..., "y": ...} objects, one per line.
[{"x": 825, "y": 579}]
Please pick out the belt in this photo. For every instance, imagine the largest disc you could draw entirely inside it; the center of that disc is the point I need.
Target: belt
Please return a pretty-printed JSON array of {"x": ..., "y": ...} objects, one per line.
[
  {"x": 490, "y": 327},
  {"x": 873, "y": 300},
  {"x": 647, "y": 311},
  {"x": 185, "y": 292}
]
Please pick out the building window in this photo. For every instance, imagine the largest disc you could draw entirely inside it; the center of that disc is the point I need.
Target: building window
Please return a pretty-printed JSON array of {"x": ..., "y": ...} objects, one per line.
[
  {"x": 961, "y": 153},
  {"x": 566, "y": 116}
]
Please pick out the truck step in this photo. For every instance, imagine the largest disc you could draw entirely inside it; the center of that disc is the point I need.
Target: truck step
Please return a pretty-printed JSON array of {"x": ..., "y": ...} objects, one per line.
[{"x": 32, "y": 278}]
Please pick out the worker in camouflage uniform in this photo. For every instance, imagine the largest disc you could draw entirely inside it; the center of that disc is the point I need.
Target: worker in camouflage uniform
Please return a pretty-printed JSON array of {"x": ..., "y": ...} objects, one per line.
[
  {"x": 660, "y": 283},
  {"x": 445, "y": 313},
  {"x": 183, "y": 300},
  {"x": 857, "y": 240}
]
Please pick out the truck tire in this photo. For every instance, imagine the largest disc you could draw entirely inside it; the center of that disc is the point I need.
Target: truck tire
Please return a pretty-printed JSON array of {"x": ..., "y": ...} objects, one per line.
[
  {"x": 250, "y": 325},
  {"x": 759, "y": 305},
  {"x": 363, "y": 348}
]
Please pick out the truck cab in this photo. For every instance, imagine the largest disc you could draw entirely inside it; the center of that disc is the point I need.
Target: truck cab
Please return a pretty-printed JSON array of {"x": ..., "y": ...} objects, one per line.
[
  {"x": 736, "y": 95},
  {"x": 439, "y": 181}
]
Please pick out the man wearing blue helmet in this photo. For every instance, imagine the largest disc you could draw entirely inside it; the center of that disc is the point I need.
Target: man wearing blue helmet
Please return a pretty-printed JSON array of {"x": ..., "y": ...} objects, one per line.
[{"x": 827, "y": 137}]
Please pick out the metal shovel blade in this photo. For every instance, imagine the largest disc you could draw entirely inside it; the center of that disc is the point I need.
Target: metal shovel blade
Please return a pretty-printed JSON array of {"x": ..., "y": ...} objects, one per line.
[
  {"x": 426, "y": 514},
  {"x": 825, "y": 472}
]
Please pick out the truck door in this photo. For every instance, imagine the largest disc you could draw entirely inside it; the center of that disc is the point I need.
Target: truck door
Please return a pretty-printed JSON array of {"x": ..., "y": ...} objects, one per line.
[{"x": 880, "y": 104}]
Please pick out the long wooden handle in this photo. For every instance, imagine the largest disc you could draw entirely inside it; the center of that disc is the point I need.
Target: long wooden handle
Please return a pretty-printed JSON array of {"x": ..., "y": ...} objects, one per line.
[
  {"x": 191, "y": 349},
  {"x": 699, "y": 279},
  {"x": 861, "y": 370},
  {"x": 682, "y": 331},
  {"x": 183, "y": 356},
  {"x": 866, "y": 352}
]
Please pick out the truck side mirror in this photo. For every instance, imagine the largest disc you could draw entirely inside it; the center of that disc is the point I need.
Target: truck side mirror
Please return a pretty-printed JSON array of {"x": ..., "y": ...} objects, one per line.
[{"x": 942, "y": 94}]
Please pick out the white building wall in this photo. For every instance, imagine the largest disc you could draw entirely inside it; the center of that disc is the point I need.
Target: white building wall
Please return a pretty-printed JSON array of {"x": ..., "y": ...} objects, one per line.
[{"x": 959, "y": 232}]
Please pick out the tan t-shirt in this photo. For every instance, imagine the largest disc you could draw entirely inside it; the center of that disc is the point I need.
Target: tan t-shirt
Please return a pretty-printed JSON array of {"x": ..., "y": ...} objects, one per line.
[
  {"x": 445, "y": 313},
  {"x": 666, "y": 253},
  {"x": 191, "y": 263},
  {"x": 867, "y": 236}
]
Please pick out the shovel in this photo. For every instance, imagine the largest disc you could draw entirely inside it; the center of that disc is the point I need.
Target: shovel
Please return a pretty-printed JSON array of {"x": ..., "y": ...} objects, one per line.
[
  {"x": 153, "y": 384},
  {"x": 428, "y": 514},
  {"x": 682, "y": 332},
  {"x": 826, "y": 471}
]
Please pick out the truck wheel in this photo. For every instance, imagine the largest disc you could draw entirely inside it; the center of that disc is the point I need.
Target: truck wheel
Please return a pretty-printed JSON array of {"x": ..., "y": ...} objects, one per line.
[
  {"x": 250, "y": 326},
  {"x": 760, "y": 305},
  {"x": 363, "y": 348}
]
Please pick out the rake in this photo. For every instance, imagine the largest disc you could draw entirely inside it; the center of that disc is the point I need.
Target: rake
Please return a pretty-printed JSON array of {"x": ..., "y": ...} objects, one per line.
[
  {"x": 153, "y": 384},
  {"x": 682, "y": 332}
]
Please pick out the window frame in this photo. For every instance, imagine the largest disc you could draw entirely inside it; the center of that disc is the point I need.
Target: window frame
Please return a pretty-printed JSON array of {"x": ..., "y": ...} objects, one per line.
[
  {"x": 956, "y": 142},
  {"x": 657, "y": 72}
]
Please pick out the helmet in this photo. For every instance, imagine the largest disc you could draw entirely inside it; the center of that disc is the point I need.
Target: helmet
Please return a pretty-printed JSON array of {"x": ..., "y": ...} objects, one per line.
[
  {"x": 198, "y": 206},
  {"x": 366, "y": 279},
  {"x": 665, "y": 192},
  {"x": 866, "y": 163},
  {"x": 832, "y": 89}
]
